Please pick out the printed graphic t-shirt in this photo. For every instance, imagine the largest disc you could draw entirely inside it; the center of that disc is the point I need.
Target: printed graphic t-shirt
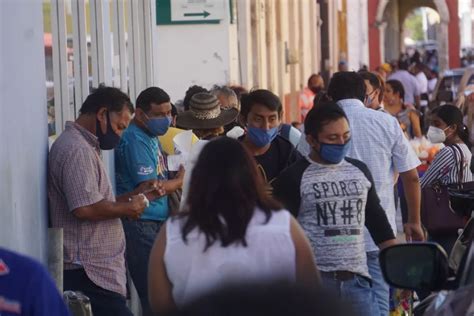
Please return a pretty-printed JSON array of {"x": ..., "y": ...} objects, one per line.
[
  {"x": 139, "y": 158},
  {"x": 333, "y": 203}
]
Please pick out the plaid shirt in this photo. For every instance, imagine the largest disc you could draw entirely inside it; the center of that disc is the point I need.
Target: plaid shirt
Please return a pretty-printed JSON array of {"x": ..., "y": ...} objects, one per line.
[
  {"x": 77, "y": 178},
  {"x": 378, "y": 141}
]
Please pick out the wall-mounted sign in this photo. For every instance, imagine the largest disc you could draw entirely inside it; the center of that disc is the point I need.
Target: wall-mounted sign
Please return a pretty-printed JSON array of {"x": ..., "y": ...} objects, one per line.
[{"x": 190, "y": 11}]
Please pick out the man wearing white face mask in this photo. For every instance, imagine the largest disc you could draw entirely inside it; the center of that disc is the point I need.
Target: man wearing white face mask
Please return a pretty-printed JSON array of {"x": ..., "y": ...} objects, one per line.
[{"x": 447, "y": 128}]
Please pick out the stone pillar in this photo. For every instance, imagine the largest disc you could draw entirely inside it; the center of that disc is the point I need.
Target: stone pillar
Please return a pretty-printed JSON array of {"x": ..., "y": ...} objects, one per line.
[
  {"x": 55, "y": 256},
  {"x": 443, "y": 48}
]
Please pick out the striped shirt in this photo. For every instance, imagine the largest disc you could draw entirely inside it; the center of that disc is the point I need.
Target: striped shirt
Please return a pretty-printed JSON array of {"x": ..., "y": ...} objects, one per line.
[
  {"x": 447, "y": 165},
  {"x": 77, "y": 178}
]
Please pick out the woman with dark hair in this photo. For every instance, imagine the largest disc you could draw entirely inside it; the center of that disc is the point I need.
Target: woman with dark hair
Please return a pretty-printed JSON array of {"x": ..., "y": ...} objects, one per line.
[
  {"x": 230, "y": 231},
  {"x": 406, "y": 114},
  {"x": 447, "y": 127}
]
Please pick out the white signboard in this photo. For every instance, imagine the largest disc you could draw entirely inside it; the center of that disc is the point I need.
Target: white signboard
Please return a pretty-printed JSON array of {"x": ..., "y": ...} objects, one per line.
[{"x": 197, "y": 10}]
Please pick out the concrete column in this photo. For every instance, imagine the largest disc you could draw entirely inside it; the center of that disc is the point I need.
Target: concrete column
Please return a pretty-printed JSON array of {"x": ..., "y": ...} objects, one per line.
[
  {"x": 333, "y": 36},
  {"x": 55, "y": 256},
  {"x": 271, "y": 47},
  {"x": 443, "y": 53},
  {"x": 306, "y": 34},
  {"x": 23, "y": 128},
  {"x": 314, "y": 35},
  {"x": 374, "y": 34},
  {"x": 295, "y": 55},
  {"x": 283, "y": 42},
  {"x": 245, "y": 43},
  {"x": 261, "y": 47}
]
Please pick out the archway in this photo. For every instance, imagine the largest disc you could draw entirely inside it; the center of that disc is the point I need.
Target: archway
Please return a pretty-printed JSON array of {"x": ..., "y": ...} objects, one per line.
[
  {"x": 386, "y": 26},
  {"x": 420, "y": 33}
]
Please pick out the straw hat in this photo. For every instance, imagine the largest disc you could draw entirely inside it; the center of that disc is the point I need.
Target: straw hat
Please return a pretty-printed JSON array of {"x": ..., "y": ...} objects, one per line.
[{"x": 205, "y": 113}]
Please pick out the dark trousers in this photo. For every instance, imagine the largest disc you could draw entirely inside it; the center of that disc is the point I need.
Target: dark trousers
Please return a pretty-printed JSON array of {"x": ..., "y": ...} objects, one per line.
[
  {"x": 140, "y": 236},
  {"x": 103, "y": 302}
]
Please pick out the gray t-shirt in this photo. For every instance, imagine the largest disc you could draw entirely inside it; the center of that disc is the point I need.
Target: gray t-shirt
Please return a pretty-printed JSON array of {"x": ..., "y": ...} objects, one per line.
[{"x": 333, "y": 204}]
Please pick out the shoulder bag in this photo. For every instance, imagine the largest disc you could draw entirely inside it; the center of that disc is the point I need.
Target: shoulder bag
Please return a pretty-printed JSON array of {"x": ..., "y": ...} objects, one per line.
[{"x": 436, "y": 212}]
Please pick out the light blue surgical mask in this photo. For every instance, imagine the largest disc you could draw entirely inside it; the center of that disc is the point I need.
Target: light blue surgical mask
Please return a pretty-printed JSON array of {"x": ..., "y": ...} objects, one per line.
[
  {"x": 261, "y": 137},
  {"x": 334, "y": 153},
  {"x": 158, "y": 126}
]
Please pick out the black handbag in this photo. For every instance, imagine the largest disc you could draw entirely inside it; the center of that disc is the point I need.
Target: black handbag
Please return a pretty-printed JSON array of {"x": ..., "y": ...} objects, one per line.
[{"x": 436, "y": 213}]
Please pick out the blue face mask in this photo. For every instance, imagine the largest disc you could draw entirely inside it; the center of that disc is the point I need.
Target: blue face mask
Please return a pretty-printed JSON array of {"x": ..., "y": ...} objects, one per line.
[
  {"x": 158, "y": 126},
  {"x": 261, "y": 137},
  {"x": 334, "y": 153}
]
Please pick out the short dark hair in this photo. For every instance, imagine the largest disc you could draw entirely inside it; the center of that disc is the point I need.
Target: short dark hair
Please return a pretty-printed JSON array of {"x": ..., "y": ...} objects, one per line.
[
  {"x": 397, "y": 87},
  {"x": 346, "y": 85},
  {"x": 189, "y": 94},
  {"x": 110, "y": 98},
  {"x": 225, "y": 190},
  {"x": 321, "y": 97},
  {"x": 321, "y": 115},
  {"x": 174, "y": 110},
  {"x": 260, "y": 96},
  {"x": 151, "y": 95}
]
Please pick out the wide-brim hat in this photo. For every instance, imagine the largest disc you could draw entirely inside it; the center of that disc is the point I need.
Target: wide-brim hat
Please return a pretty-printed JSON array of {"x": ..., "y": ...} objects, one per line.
[{"x": 205, "y": 113}]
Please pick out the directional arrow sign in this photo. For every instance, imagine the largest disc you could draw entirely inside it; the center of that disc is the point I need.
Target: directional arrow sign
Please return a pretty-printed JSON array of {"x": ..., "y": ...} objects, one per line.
[
  {"x": 187, "y": 10},
  {"x": 204, "y": 14}
]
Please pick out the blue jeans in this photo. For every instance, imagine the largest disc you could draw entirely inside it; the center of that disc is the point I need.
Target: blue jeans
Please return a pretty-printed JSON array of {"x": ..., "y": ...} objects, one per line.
[
  {"x": 380, "y": 288},
  {"x": 140, "y": 236},
  {"x": 357, "y": 292}
]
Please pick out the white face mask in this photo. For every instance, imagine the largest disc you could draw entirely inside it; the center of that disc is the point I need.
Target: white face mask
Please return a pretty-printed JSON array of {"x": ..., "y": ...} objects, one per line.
[{"x": 436, "y": 135}]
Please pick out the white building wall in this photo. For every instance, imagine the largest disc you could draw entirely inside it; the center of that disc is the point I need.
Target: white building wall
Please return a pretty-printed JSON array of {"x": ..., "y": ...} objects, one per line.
[
  {"x": 195, "y": 54},
  {"x": 23, "y": 128},
  {"x": 357, "y": 34}
]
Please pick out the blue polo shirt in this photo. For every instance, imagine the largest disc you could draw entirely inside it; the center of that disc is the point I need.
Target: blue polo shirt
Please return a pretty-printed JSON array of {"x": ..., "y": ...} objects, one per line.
[
  {"x": 26, "y": 288},
  {"x": 139, "y": 158}
]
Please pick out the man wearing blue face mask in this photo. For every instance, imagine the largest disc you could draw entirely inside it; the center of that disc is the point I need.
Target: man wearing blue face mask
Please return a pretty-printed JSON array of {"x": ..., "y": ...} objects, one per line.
[
  {"x": 139, "y": 158},
  {"x": 334, "y": 198},
  {"x": 379, "y": 142},
  {"x": 261, "y": 110}
]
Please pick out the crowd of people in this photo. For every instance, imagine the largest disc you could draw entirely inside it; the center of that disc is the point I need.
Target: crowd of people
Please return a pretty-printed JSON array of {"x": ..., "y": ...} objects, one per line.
[{"x": 255, "y": 201}]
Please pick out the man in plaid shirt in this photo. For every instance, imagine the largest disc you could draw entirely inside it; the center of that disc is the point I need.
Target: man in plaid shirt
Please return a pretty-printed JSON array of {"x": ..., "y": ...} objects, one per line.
[{"x": 83, "y": 204}]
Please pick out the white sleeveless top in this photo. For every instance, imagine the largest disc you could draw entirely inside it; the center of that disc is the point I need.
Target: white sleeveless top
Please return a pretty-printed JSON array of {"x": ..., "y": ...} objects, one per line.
[{"x": 269, "y": 255}]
